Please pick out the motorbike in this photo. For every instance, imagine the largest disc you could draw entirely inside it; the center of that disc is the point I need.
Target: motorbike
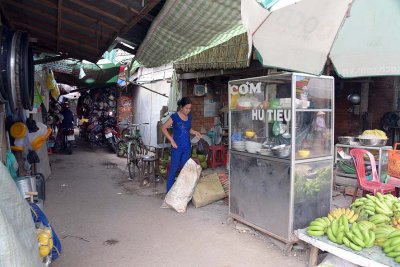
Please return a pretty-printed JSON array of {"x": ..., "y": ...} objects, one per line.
[
  {"x": 95, "y": 134},
  {"x": 69, "y": 138},
  {"x": 111, "y": 135}
]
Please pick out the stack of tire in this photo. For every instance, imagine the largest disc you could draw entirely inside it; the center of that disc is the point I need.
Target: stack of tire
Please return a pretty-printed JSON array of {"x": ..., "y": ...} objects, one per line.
[{"x": 17, "y": 70}]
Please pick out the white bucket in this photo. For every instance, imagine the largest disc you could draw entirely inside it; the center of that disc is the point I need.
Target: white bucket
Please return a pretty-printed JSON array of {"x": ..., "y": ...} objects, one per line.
[{"x": 26, "y": 184}]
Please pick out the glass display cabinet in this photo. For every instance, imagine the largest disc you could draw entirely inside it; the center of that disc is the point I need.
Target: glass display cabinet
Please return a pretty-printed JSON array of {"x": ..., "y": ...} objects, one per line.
[{"x": 281, "y": 151}]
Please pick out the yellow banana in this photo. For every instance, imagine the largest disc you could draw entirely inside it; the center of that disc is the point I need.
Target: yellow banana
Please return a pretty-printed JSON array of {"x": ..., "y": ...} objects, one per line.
[{"x": 353, "y": 218}]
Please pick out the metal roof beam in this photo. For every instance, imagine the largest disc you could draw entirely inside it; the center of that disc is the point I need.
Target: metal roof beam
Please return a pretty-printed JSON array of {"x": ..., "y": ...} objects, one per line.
[
  {"x": 99, "y": 11},
  {"x": 131, "y": 9},
  {"x": 50, "y": 59},
  {"x": 59, "y": 21}
]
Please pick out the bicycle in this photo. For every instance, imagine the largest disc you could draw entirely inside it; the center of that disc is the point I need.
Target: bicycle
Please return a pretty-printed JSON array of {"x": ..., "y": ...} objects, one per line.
[{"x": 133, "y": 146}]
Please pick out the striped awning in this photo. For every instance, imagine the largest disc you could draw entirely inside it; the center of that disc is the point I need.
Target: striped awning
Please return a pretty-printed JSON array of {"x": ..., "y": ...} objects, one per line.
[{"x": 185, "y": 28}]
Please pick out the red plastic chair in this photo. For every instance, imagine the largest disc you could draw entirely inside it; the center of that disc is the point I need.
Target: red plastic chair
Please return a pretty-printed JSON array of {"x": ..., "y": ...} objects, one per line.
[{"x": 374, "y": 185}]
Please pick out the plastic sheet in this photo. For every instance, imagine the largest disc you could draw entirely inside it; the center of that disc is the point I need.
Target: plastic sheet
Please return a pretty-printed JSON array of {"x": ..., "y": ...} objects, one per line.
[{"x": 18, "y": 244}]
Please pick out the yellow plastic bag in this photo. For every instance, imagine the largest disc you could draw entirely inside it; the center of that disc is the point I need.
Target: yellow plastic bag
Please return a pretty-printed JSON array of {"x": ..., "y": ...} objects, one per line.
[{"x": 52, "y": 84}]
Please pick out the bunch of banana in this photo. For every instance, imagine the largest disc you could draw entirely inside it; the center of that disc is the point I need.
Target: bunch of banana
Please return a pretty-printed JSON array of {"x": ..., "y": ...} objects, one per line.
[
  {"x": 375, "y": 133},
  {"x": 337, "y": 229},
  {"x": 351, "y": 215},
  {"x": 381, "y": 234},
  {"x": 364, "y": 207},
  {"x": 392, "y": 245},
  {"x": 319, "y": 226},
  {"x": 358, "y": 237},
  {"x": 396, "y": 222},
  {"x": 371, "y": 205},
  {"x": 311, "y": 187},
  {"x": 379, "y": 219}
]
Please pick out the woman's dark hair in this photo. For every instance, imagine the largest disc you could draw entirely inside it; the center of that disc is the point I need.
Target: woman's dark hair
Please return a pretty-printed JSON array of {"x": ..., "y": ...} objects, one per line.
[{"x": 184, "y": 101}]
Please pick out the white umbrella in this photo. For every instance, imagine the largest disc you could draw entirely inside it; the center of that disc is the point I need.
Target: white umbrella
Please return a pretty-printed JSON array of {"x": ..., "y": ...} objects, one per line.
[{"x": 361, "y": 37}]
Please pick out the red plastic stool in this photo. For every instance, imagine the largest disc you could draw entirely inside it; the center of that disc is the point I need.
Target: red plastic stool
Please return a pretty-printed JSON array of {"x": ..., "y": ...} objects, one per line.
[{"x": 217, "y": 156}]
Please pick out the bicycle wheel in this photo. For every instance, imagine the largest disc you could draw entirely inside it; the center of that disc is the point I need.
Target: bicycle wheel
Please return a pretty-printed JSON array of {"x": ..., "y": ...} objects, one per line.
[
  {"x": 131, "y": 160},
  {"x": 124, "y": 133}
]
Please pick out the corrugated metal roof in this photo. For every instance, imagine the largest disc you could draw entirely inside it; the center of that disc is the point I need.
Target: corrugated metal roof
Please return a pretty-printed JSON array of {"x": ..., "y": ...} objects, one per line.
[{"x": 82, "y": 29}]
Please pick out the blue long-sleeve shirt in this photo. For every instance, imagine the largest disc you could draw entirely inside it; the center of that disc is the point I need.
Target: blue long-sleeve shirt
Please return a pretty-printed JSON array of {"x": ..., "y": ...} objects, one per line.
[{"x": 68, "y": 121}]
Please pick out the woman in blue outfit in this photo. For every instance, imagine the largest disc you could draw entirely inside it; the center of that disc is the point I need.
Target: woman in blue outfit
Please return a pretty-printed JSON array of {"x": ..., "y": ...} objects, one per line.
[{"x": 181, "y": 123}]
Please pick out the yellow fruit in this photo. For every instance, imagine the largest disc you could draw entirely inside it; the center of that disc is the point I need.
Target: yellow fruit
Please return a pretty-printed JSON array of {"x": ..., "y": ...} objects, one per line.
[
  {"x": 43, "y": 241},
  {"x": 50, "y": 245},
  {"x": 43, "y": 234},
  {"x": 44, "y": 251},
  {"x": 48, "y": 231}
]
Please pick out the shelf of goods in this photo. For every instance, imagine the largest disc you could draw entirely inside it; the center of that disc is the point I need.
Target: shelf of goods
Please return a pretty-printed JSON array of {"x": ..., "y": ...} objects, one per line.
[
  {"x": 281, "y": 151},
  {"x": 345, "y": 171}
]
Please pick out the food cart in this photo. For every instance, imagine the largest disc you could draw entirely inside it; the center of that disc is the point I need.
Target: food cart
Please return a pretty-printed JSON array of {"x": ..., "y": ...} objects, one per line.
[{"x": 281, "y": 151}]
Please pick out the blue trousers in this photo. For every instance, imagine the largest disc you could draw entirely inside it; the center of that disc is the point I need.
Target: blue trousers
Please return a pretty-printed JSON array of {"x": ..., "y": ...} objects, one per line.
[{"x": 178, "y": 160}]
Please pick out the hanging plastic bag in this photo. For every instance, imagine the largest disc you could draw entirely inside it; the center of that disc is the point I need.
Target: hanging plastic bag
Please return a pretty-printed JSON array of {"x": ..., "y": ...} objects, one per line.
[
  {"x": 52, "y": 84},
  {"x": 202, "y": 147},
  {"x": 11, "y": 163}
]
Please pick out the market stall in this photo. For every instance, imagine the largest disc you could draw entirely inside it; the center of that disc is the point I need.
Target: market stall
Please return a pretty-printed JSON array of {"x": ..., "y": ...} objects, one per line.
[
  {"x": 27, "y": 238},
  {"x": 366, "y": 233},
  {"x": 281, "y": 151}
]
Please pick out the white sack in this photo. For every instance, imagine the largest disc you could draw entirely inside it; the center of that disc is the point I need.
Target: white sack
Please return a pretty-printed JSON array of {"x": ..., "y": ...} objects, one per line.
[{"x": 182, "y": 191}]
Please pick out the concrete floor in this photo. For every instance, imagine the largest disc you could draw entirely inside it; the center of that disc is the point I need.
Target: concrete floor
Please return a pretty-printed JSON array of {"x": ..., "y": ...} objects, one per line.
[{"x": 102, "y": 219}]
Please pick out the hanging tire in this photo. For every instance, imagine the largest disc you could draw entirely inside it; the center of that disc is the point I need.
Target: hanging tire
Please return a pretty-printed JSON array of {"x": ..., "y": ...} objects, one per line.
[
  {"x": 3, "y": 63},
  {"x": 11, "y": 71},
  {"x": 24, "y": 79}
]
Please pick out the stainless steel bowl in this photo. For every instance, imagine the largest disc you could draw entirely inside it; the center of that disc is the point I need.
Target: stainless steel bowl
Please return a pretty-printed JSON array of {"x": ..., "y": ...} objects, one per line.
[
  {"x": 345, "y": 140},
  {"x": 281, "y": 151},
  {"x": 372, "y": 142}
]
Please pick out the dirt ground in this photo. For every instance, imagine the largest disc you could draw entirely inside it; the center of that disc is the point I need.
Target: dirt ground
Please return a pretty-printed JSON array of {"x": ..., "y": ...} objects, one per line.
[{"x": 103, "y": 219}]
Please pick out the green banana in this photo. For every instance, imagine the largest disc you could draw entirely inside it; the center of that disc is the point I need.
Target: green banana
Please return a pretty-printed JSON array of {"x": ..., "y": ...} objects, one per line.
[
  {"x": 346, "y": 241},
  {"x": 331, "y": 236},
  {"x": 383, "y": 211},
  {"x": 316, "y": 228},
  {"x": 356, "y": 231},
  {"x": 354, "y": 246},
  {"x": 340, "y": 237},
  {"x": 370, "y": 208},
  {"x": 358, "y": 241},
  {"x": 394, "y": 234},
  {"x": 394, "y": 241},
  {"x": 393, "y": 254},
  {"x": 334, "y": 227},
  {"x": 366, "y": 236},
  {"x": 371, "y": 239},
  {"x": 315, "y": 232},
  {"x": 317, "y": 223},
  {"x": 327, "y": 221},
  {"x": 321, "y": 221},
  {"x": 379, "y": 204}
]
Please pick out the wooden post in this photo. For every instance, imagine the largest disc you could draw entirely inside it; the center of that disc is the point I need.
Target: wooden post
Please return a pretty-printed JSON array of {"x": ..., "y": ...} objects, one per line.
[{"x": 312, "y": 261}]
